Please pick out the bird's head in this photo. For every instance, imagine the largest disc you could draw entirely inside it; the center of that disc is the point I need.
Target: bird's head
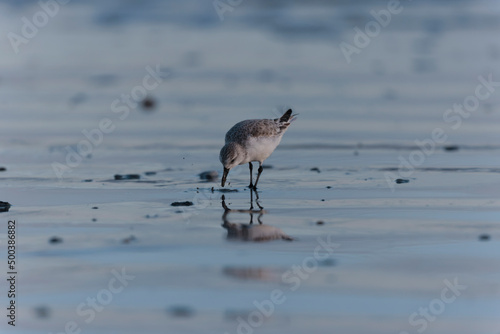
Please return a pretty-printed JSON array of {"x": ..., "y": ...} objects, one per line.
[{"x": 231, "y": 155}]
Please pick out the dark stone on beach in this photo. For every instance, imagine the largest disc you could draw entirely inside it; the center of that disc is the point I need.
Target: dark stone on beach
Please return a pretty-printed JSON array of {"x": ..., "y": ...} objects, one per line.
[
  {"x": 87, "y": 180},
  {"x": 399, "y": 181},
  {"x": 148, "y": 103},
  {"x": 127, "y": 177},
  {"x": 78, "y": 98},
  {"x": 150, "y": 173},
  {"x": 223, "y": 190},
  {"x": 55, "y": 240},
  {"x": 3, "y": 169},
  {"x": 4, "y": 206},
  {"x": 129, "y": 239},
  {"x": 327, "y": 263},
  {"x": 328, "y": 187},
  {"x": 186, "y": 203},
  {"x": 95, "y": 207},
  {"x": 42, "y": 312},
  {"x": 451, "y": 148},
  {"x": 181, "y": 311},
  {"x": 322, "y": 200},
  {"x": 210, "y": 175},
  {"x": 94, "y": 219},
  {"x": 315, "y": 169},
  {"x": 484, "y": 237},
  {"x": 320, "y": 222}
]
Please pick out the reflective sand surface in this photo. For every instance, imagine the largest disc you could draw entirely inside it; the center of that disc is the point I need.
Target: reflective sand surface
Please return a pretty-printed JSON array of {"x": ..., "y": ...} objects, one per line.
[{"x": 369, "y": 255}]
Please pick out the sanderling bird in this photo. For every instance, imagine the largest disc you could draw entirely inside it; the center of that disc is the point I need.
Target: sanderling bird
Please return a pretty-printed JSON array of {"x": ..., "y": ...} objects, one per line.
[{"x": 253, "y": 140}]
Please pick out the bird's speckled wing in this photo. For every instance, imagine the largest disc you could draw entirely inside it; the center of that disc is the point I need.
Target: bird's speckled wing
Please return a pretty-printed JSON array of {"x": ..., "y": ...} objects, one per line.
[{"x": 243, "y": 130}]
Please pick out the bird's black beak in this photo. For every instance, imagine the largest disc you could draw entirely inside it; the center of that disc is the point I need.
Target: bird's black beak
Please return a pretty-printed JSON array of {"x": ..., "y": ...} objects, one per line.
[{"x": 224, "y": 176}]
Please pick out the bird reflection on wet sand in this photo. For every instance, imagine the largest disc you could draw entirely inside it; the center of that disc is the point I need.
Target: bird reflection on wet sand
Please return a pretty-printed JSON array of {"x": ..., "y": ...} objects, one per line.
[{"x": 250, "y": 232}]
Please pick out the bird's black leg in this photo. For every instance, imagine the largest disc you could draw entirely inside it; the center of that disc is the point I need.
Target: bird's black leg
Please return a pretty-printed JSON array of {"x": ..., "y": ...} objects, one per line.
[
  {"x": 251, "y": 199},
  {"x": 258, "y": 175},
  {"x": 251, "y": 169}
]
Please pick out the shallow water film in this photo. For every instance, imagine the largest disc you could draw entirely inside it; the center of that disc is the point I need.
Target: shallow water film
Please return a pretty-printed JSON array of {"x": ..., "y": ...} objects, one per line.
[{"x": 378, "y": 212}]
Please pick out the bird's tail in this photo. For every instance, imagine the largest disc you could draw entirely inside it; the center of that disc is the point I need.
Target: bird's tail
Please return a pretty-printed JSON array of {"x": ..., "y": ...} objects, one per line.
[{"x": 288, "y": 117}]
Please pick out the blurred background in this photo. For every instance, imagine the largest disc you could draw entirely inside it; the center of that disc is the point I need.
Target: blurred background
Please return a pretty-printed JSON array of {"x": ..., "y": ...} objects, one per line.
[{"x": 224, "y": 62}]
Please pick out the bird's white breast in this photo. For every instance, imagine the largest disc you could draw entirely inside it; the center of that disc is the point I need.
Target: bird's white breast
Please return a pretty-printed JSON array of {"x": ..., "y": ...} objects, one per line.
[{"x": 260, "y": 148}]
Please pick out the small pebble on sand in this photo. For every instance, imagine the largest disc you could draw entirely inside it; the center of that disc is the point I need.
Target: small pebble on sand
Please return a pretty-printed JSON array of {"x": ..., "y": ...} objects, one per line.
[
  {"x": 127, "y": 177},
  {"x": 42, "y": 312},
  {"x": 181, "y": 311},
  {"x": 484, "y": 237},
  {"x": 55, "y": 240},
  {"x": 186, "y": 203},
  {"x": 129, "y": 239},
  {"x": 4, "y": 206},
  {"x": 327, "y": 263},
  {"x": 148, "y": 104},
  {"x": 451, "y": 148},
  {"x": 224, "y": 190}
]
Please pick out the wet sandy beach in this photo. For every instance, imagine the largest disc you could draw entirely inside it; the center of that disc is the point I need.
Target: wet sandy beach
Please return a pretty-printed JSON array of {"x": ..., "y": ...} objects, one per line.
[{"x": 391, "y": 199}]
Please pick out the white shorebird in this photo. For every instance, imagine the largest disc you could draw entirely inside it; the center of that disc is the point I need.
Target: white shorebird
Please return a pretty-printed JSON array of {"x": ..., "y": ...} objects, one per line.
[{"x": 253, "y": 140}]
